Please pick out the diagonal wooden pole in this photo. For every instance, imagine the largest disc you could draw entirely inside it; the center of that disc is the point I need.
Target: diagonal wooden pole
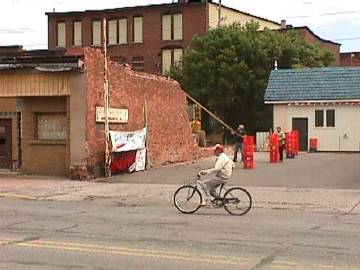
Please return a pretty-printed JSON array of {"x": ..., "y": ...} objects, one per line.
[{"x": 209, "y": 112}]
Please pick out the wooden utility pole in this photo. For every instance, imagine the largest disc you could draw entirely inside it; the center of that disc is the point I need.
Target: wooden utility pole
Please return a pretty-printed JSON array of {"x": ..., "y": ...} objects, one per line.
[
  {"x": 219, "y": 14},
  {"x": 106, "y": 102}
]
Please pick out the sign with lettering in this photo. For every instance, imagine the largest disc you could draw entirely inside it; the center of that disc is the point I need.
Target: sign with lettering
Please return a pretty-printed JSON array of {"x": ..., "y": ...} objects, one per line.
[
  {"x": 123, "y": 141},
  {"x": 115, "y": 115}
]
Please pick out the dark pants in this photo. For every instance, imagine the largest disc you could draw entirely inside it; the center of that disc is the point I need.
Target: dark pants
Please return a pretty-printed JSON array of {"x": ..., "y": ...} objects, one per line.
[
  {"x": 238, "y": 146},
  {"x": 281, "y": 151}
]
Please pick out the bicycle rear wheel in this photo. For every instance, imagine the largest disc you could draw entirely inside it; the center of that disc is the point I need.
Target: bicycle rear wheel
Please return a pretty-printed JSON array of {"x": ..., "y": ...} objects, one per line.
[
  {"x": 187, "y": 199},
  {"x": 237, "y": 201}
]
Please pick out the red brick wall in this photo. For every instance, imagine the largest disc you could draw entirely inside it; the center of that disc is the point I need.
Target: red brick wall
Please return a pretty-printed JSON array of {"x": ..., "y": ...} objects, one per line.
[
  {"x": 311, "y": 38},
  {"x": 169, "y": 132},
  {"x": 347, "y": 60},
  {"x": 194, "y": 23}
]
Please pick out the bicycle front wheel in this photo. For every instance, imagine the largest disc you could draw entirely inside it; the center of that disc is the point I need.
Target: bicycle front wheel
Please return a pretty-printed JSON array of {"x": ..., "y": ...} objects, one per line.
[
  {"x": 237, "y": 201},
  {"x": 187, "y": 199}
]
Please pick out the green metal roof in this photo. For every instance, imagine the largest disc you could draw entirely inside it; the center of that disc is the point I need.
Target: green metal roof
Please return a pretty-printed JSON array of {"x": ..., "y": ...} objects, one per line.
[{"x": 331, "y": 83}]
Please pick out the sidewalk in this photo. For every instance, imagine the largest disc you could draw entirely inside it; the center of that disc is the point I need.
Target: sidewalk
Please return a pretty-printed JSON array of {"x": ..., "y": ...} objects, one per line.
[{"x": 341, "y": 201}]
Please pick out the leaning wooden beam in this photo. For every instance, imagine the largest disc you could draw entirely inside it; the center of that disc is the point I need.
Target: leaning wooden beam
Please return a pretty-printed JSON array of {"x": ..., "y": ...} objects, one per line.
[{"x": 209, "y": 112}]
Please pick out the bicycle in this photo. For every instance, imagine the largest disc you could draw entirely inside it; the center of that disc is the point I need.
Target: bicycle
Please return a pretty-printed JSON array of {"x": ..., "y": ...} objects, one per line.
[{"x": 237, "y": 201}]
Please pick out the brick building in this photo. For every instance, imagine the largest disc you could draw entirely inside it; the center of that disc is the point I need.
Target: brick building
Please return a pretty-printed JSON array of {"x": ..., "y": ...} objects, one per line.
[
  {"x": 351, "y": 59},
  {"x": 151, "y": 38},
  {"x": 48, "y": 103},
  {"x": 306, "y": 33}
]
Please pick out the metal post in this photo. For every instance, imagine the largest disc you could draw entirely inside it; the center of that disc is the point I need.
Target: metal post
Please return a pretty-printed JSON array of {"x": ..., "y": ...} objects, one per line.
[{"x": 106, "y": 102}]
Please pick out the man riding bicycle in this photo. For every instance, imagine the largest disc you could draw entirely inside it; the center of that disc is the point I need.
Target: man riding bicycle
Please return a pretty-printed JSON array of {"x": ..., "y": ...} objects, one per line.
[{"x": 223, "y": 170}]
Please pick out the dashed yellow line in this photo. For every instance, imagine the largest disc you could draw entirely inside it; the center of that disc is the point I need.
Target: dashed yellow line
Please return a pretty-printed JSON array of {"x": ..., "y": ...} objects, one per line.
[
  {"x": 17, "y": 196},
  {"x": 120, "y": 248},
  {"x": 123, "y": 251},
  {"x": 167, "y": 255}
]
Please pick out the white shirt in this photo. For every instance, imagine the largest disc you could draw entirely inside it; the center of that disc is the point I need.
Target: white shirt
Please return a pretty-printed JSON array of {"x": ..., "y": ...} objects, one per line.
[{"x": 223, "y": 166}]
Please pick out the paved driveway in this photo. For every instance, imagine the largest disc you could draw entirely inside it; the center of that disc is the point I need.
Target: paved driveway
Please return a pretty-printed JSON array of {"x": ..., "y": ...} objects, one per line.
[{"x": 308, "y": 170}]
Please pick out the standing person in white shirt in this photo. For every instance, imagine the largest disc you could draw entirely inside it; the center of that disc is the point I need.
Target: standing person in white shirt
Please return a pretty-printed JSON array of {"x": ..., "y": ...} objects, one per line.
[{"x": 222, "y": 169}]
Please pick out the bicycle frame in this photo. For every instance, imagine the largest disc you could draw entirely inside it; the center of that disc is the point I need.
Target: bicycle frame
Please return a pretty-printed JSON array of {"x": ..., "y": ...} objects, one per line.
[{"x": 200, "y": 187}]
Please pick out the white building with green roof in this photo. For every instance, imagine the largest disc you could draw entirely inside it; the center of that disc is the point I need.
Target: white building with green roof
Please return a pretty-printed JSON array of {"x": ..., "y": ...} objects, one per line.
[{"x": 322, "y": 103}]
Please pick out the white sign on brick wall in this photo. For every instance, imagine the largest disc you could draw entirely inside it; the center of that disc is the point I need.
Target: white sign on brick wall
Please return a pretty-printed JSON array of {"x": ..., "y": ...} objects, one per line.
[{"x": 115, "y": 115}]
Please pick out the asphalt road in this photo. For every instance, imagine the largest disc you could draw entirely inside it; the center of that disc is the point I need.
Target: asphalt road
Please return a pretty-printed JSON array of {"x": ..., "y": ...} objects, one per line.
[
  {"x": 108, "y": 234},
  {"x": 308, "y": 170}
]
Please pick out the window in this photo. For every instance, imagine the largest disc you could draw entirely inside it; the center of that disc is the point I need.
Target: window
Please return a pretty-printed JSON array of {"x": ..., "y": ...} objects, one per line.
[
  {"x": 122, "y": 31},
  {"x": 51, "y": 126},
  {"x": 330, "y": 118},
  {"x": 77, "y": 34},
  {"x": 96, "y": 33},
  {"x": 172, "y": 27},
  {"x": 166, "y": 27},
  {"x": 61, "y": 34},
  {"x": 119, "y": 59},
  {"x": 117, "y": 31},
  {"x": 112, "y": 32},
  {"x": 319, "y": 118},
  {"x": 178, "y": 30},
  {"x": 166, "y": 61},
  {"x": 178, "y": 57},
  {"x": 138, "y": 29},
  {"x": 138, "y": 63},
  {"x": 171, "y": 57}
]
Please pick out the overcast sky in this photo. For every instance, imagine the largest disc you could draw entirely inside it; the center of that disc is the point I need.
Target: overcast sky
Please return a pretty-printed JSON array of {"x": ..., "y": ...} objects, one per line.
[{"x": 24, "y": 22}]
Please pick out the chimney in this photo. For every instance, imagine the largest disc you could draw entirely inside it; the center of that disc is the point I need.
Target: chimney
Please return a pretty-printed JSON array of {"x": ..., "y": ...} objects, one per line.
[{"x": 283, "y": 24}]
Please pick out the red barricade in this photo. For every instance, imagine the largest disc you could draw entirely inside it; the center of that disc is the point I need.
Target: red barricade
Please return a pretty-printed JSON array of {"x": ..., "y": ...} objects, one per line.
[
  {"x": 274, "y": 148},
  {"x": 297, "y": 142},
  {"x": 290, "y": 144},
  {"x": 248, "y": 152}
]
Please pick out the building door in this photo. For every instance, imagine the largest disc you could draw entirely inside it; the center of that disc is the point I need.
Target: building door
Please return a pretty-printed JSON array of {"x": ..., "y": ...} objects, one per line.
[
  {"x": 5, "y": 144},
  {"x": 301, "y": 124}
]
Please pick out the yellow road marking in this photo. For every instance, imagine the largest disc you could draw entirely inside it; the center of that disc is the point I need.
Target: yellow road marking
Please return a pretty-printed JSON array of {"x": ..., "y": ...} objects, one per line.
[
  {"x": 158, "y": 254},
  {"x": 17, "y": 196},
  {"x": 207, "y": 259},
  {"x": 120, "y": 248},
  {"x": 292, "y": 265}
]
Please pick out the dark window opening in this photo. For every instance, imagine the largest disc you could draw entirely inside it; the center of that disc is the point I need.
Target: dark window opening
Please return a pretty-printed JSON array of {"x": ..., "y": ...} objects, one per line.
[
  {"x": 330, "y": 118},
  {"x": 2, "y": 141},
  {"x": 319, "y": 118},
  {"x": 119, "y": 59},
  {"x": 138, "y": 63}
]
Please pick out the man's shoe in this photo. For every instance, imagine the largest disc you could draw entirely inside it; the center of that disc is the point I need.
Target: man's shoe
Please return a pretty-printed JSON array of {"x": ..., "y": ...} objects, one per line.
[{"x": 207, "y": 203}]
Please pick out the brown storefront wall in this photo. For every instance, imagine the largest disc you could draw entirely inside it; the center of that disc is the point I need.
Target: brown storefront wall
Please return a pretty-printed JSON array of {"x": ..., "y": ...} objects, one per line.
[{"x": 47, "y": 157}]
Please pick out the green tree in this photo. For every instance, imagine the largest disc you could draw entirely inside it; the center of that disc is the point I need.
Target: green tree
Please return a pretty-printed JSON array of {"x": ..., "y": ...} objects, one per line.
[{"x": 227, "y": 70}]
